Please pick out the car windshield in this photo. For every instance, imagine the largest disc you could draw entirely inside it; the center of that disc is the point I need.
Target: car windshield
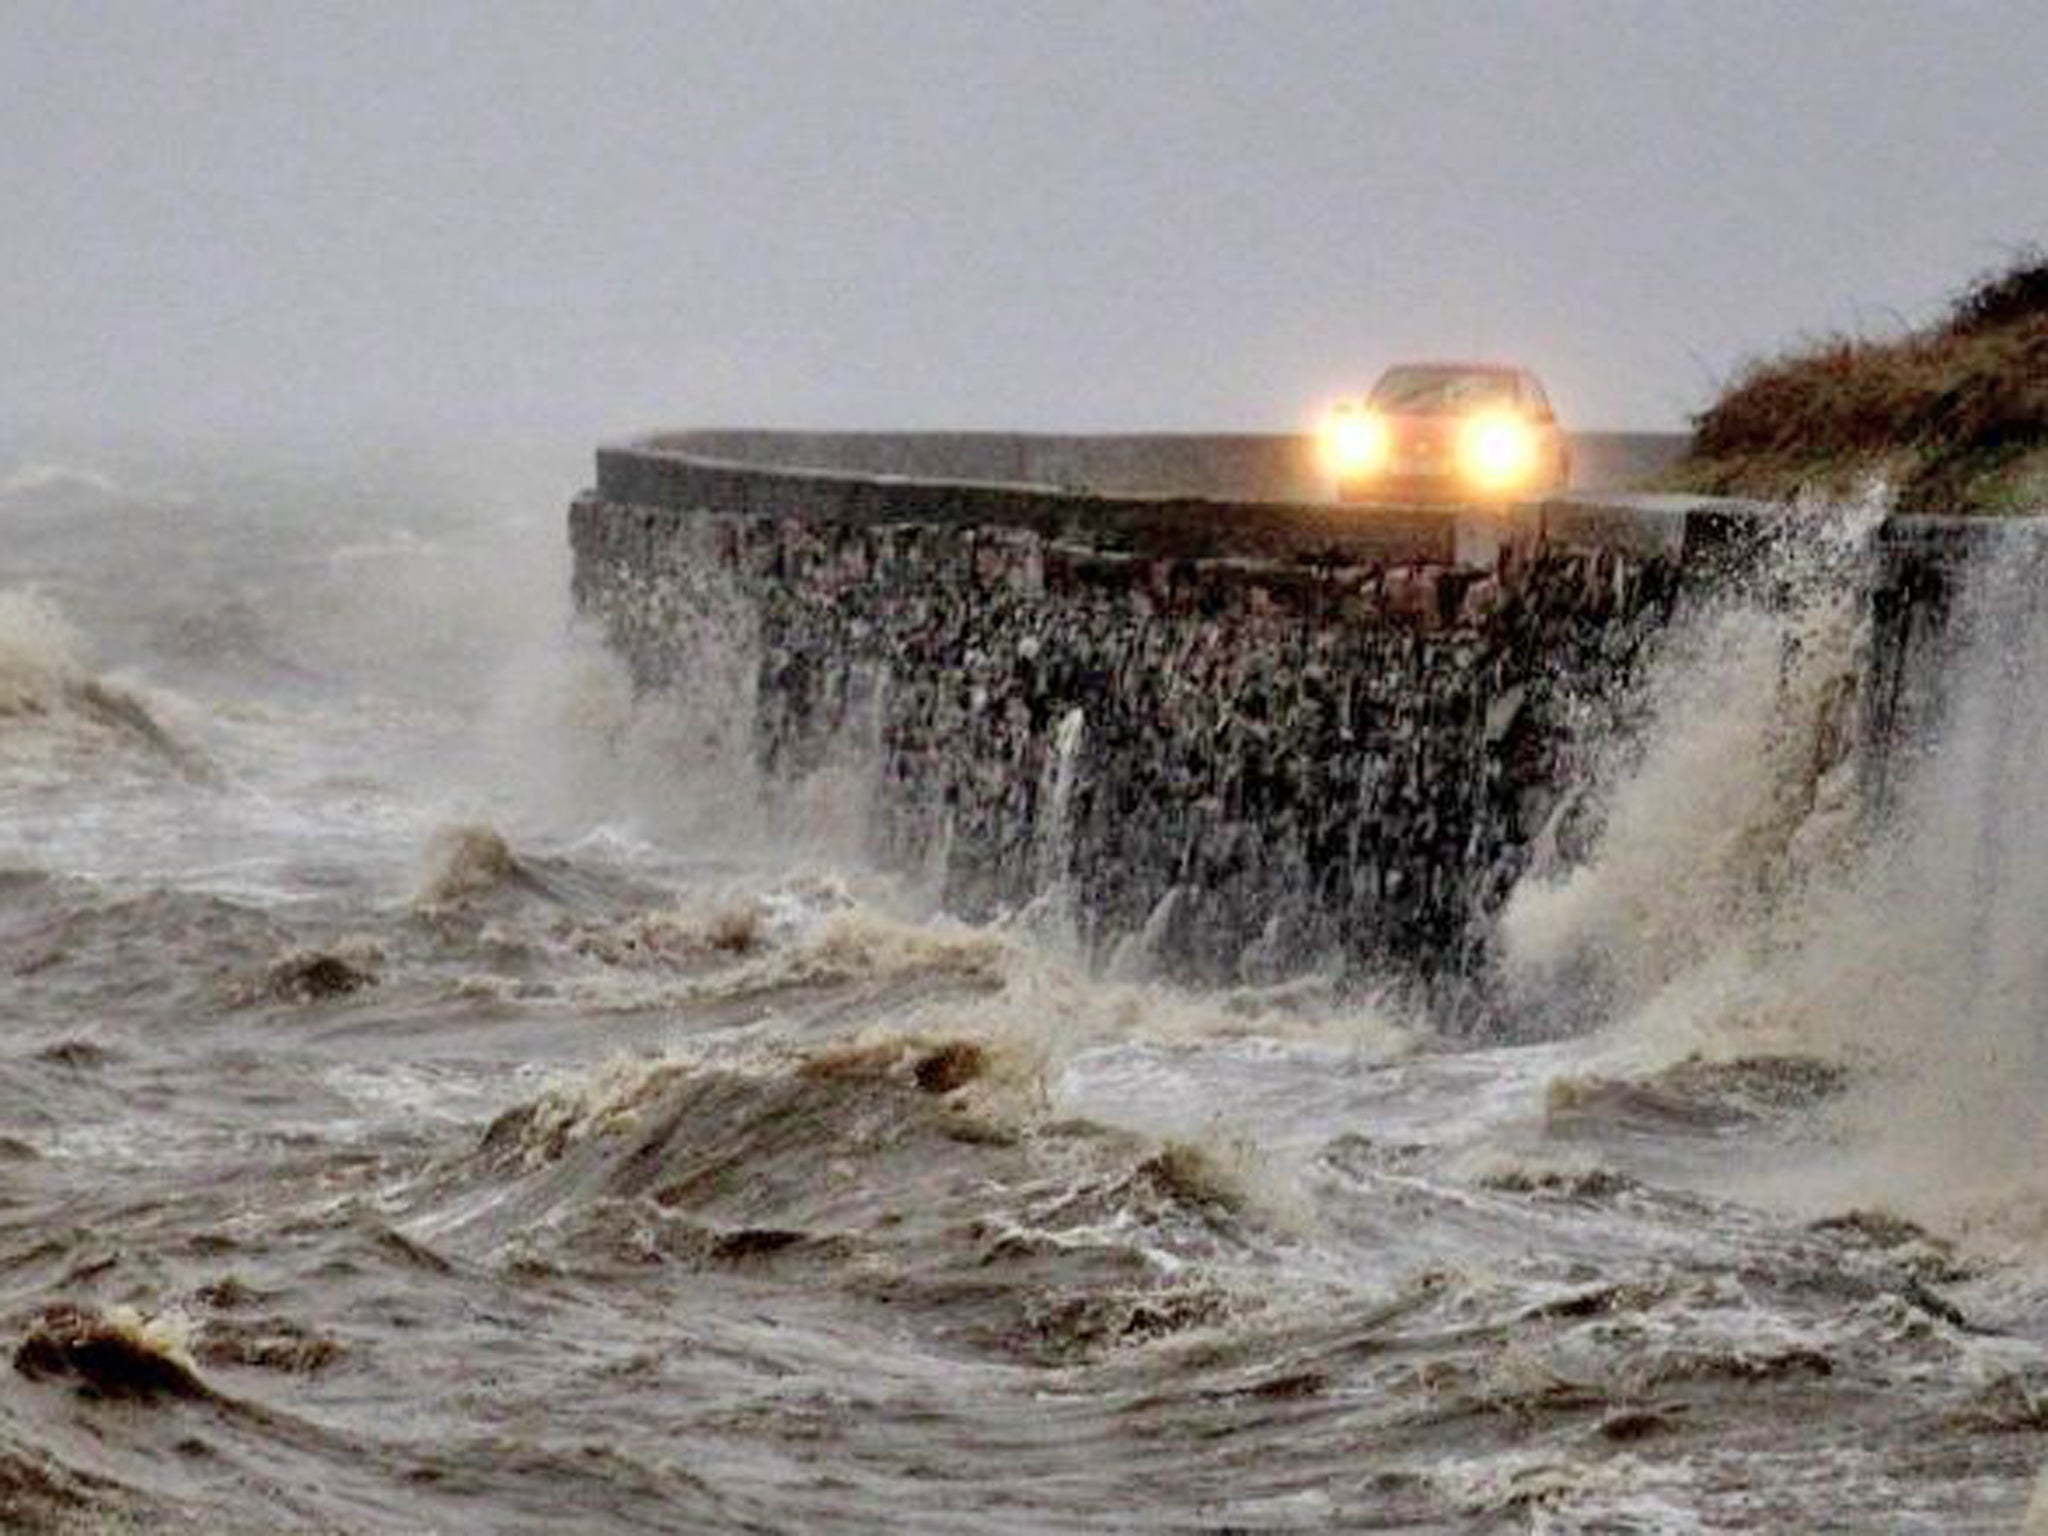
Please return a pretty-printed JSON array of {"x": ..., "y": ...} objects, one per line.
[{"x": 1442, "y": 391}]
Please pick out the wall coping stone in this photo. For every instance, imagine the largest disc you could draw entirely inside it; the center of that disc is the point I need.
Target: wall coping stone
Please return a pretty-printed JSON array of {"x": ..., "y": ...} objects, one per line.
[{"x": 672, "y": 471}]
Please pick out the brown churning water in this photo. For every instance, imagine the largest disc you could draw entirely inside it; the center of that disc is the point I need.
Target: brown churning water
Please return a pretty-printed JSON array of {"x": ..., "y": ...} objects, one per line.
[{"x": 441, "y": 1093}]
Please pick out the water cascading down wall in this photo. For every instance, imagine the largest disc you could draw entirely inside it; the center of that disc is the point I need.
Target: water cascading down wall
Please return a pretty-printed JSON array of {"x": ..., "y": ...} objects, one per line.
[{"x": 1223, "y": 726}]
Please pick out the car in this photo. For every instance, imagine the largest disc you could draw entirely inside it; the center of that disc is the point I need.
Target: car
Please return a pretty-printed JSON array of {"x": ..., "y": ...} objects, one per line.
[{"x": 1447, "y": 432}]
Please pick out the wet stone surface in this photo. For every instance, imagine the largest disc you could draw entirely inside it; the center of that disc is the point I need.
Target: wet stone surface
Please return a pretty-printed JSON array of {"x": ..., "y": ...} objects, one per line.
[{"x": 1244, "y": 767}]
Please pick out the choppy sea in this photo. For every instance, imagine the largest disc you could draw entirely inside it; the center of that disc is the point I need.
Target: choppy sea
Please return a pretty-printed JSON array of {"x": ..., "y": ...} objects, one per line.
[{"x": 442, "y": 1092}]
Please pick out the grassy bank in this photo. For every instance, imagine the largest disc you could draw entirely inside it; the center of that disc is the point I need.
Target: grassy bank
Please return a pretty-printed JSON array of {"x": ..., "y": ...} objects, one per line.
[{"x": 1955, "y": 414}]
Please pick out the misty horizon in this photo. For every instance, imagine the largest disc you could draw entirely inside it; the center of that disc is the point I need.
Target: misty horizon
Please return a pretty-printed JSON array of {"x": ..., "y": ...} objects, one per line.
[{"x": 587, "y": 221}]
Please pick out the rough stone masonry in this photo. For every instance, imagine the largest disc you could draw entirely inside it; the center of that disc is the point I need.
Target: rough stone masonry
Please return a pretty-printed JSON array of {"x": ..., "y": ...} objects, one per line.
[{"x": 1240, "y": 739}]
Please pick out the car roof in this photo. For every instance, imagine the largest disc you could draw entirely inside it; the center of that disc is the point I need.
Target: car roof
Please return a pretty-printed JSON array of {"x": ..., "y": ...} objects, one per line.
[{"x": 1453, "y": 365}]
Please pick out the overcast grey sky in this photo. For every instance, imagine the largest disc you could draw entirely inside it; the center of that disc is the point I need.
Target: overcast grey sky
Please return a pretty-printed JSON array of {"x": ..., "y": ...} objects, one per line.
[{"x": 593, "y": 217}]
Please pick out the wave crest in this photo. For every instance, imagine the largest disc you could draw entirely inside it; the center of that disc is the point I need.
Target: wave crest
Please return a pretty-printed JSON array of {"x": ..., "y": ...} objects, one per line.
[{"x": 53, "y": 698}]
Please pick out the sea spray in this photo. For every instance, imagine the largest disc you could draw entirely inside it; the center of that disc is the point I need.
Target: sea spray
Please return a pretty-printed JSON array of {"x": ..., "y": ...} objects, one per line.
[
  {"x": 1050, "y": 916},
  {"x": 1056, "y": 813},
  {"x": 1932, "y": 962},
  {"x": 1730, "y": 803},
  {"x": 1744, "y": 899}
]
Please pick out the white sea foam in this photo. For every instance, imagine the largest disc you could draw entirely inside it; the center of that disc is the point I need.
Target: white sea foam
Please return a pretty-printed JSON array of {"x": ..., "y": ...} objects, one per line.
[{"x": 33, "y": 478}]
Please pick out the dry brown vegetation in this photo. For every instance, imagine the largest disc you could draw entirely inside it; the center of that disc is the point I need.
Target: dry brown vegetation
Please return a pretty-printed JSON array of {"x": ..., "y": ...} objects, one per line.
[{"x": 1955, "y": 414}]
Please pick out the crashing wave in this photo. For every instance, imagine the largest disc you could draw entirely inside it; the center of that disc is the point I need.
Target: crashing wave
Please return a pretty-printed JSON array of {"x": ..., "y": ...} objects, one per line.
[
  {"x": 116, "y": 1353},
  {"x": 51, "y": 699},
  {"x": 1746, "y": 906},
  {"x": 467, "y": 861},
  {"x": 40, "y": 481},
  {"x": 1738, "y": 799}
]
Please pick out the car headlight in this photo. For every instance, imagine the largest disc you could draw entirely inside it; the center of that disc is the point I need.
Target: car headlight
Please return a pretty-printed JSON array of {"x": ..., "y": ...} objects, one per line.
[
  {"x": 1354, "y": 441},
  {"x": 1497, "y": 452}
]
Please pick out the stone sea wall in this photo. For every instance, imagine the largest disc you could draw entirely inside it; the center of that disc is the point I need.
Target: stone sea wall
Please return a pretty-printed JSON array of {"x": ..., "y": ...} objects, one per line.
[
  {"x": 1239, "y": 739},
  {"x": 1229, "y": 739}
]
